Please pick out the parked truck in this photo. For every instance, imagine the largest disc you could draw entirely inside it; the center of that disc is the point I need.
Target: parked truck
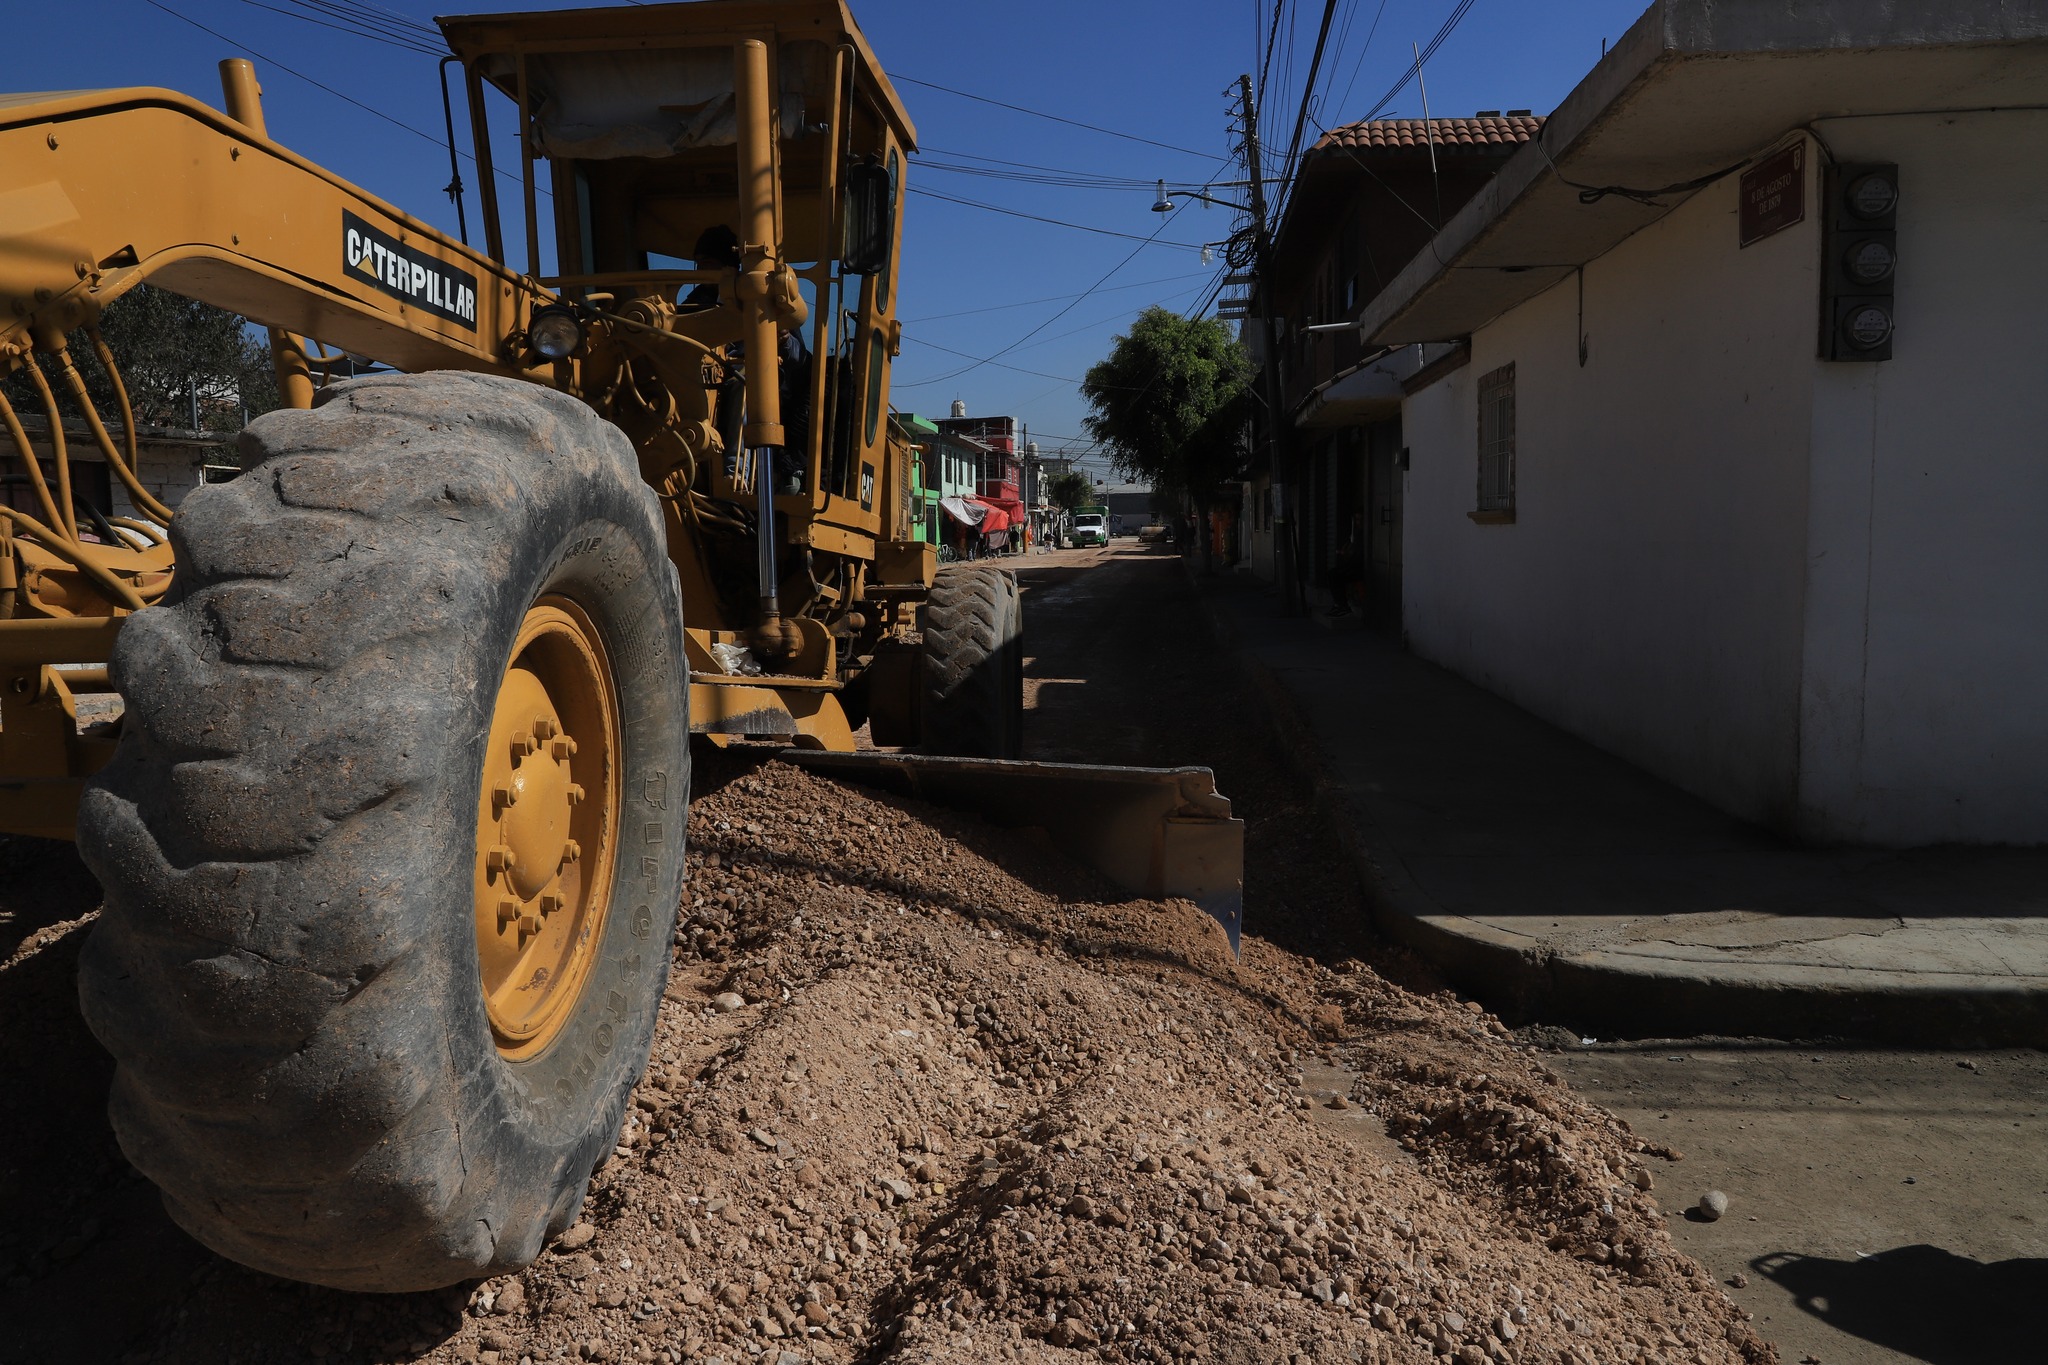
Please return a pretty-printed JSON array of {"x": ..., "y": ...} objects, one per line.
[
  {"x": 1090, "y": 526},
  {"x": 390, "y": 821}
]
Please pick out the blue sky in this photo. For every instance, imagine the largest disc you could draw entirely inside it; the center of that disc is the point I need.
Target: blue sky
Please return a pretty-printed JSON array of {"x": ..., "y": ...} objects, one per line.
[{"x": 975, "y": 281}]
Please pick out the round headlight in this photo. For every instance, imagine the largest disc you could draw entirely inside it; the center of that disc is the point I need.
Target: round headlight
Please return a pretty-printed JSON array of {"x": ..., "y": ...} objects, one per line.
[
  {"x": 1867, "y": 327},
  {"x": 1870, "y": 262},
  {"x": 555, "y": 332}
]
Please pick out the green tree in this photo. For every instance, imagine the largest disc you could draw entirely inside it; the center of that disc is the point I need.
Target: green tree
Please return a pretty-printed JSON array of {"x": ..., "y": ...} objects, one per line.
[
  {"x": 1070, "y": 490},
  {"x": 174, "y": 355},
  {"x": 1170, "y": 405}
]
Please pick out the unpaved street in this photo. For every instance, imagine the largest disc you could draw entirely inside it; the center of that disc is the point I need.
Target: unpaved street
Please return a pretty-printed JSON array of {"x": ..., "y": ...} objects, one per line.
[{"x": 963, "y": 1103}]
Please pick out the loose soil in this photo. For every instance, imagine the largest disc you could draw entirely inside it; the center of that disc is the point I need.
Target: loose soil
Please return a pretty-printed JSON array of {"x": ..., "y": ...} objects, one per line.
[
  {"x": 923, "y": 1090},
  {"x": 1885, "y": 1205}
]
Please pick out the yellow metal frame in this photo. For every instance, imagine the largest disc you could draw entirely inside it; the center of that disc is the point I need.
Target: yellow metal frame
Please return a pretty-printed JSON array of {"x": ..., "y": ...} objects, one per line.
[{"x": 101, "y": 190}]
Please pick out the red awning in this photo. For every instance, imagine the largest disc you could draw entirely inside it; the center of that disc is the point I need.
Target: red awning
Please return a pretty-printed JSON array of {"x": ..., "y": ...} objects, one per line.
[{"x": 1003, "y": 513}]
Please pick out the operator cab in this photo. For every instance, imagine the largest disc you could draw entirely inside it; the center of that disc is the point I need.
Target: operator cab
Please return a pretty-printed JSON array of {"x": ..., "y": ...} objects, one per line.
[{"x": 628, "y": 187}]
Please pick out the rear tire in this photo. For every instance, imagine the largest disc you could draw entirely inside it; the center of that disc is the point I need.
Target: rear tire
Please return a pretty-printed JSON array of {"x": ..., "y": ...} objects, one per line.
[
  {"x": 973, "y": 664},
  {"x": 290, "y": 969}
]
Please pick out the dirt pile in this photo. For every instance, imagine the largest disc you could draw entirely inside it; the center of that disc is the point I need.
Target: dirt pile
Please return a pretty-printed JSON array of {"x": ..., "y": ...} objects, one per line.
[
  {"x": 923, "y": 1091},
  {"x": 975, "y": 1114}
]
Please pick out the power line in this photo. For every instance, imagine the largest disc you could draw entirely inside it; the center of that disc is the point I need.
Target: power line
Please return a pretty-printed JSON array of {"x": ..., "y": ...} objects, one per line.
[
  {"x": 1359, "y": 65},
  {"x": 1272, "y": 33},
  {"x": 1457, "y": 16},
  {"x": 964, "y": 355},
  {"x": 1055, "y": 222},
  {"x": 1056, "y": 298},
  {"x": 1308, "y": 92},
  {"x": 1041, "y": 342},
  {"x": 1119, "y": 184},
  {"x": 940, "y": 379},
  {"x": 1089, "y": 326},
  {"x": 374, "y": 35},
  {"x": 290, "y": 71},
  {"x": 320, "y": 85},
  {"x": 1054, "y": 118},
  {"x": 1077, "y": 180}
]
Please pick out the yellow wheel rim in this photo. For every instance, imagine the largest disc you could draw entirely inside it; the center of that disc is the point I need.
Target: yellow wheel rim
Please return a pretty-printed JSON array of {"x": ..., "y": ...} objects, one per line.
[{"x": 546, "y": 820}]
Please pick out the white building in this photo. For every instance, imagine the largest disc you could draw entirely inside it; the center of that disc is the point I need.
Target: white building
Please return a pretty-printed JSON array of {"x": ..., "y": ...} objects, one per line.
[
  {"x": 1641, "y": 504},
  {"x": 169, "y": 465}
]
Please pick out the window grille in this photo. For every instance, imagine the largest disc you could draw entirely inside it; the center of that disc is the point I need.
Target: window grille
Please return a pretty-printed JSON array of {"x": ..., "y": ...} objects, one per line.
[{"x": 1497, "y": 440}]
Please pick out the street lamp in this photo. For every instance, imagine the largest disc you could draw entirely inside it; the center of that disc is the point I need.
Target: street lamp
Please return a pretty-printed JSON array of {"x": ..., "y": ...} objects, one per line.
[{"x": 1164, "y": 202}]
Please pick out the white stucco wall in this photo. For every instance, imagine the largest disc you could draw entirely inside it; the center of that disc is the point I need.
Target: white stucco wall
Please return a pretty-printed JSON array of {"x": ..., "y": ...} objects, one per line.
[
  {"x": 1925, "y": 707},
  {"x": 1814, "y": 593},
  {"x": 1647, "y": 596}
]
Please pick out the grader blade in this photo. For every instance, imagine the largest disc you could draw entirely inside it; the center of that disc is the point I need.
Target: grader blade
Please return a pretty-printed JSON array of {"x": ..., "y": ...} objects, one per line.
[{"x": 1153, "y": 831}]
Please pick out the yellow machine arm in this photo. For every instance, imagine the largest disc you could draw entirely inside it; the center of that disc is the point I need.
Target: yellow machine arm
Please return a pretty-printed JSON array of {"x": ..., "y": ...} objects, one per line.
[{"x": 102, "y": 189}]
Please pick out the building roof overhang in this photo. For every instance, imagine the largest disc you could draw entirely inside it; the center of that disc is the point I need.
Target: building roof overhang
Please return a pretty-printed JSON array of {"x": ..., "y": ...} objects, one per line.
[
  {"x": 1371, "y": 390},
  {"x": 1697, "y": 87}
]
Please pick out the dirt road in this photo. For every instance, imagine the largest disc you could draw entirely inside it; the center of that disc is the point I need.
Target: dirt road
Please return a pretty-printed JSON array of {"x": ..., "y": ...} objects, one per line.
[
  {"x": 1888, "y": 1203},
  {"x": 924, "y": 1091}
]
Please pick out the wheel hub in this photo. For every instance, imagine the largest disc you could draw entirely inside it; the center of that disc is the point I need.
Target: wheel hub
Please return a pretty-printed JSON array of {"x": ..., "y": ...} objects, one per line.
[{"x": 545, "y": 821}]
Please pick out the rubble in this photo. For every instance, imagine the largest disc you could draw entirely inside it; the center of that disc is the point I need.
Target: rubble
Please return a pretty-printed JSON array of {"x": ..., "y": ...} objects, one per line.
[{"x": 977, "y": 1109}]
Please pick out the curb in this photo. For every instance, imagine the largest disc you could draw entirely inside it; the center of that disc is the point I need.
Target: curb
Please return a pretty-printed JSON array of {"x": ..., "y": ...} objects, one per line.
[{"x": 1610, "y": 994}]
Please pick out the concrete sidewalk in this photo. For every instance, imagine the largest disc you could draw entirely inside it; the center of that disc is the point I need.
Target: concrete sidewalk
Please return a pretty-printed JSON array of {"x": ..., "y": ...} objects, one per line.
[{"x": 1559, "y": 883}]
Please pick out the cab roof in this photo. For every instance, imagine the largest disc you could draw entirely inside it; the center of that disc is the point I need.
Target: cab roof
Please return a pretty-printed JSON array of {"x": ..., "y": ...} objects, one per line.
[{"x": 699, "y": 23}]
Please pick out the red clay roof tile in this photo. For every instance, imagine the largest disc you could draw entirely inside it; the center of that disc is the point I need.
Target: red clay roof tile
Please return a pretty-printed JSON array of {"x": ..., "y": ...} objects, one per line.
[{"x": 1448, "y": 133}]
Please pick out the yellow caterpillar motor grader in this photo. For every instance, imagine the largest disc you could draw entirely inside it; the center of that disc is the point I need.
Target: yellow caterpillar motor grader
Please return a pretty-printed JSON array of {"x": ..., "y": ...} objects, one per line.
[{"x": 390, "y": 823}]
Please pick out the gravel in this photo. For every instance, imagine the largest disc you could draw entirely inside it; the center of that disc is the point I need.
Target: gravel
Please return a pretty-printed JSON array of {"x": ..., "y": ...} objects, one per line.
[{"x": 980, "y": 1110}]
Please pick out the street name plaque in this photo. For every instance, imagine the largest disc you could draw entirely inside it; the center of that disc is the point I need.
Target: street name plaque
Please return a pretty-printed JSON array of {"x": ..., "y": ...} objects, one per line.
[{"x": 1773, "y": 194}]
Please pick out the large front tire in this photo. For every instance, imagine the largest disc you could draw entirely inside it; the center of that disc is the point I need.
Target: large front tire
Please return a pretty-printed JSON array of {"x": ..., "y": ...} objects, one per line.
[
  {"x": 325, "y": 1059},
  {"x": 972, "y": 665}
]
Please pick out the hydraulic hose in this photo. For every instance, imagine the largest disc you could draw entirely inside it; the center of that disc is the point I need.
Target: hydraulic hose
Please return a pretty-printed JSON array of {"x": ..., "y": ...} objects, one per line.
[{"x": 112, "y": 588}]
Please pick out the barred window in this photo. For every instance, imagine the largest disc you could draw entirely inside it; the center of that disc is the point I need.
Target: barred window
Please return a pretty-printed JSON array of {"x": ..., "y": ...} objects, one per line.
[{"x": 1497, "y": 440}]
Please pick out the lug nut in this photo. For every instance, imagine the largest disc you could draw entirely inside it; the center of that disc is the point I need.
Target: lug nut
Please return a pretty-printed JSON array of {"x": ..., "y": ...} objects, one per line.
[
  {"x": 544, "y": 729},
  {"x": 528, "y": 926},
  {"x": 571, "y": 851},
  {"x": 507, "y": 912},
  {"x": 522, "y": 745},
  {"x": 503, "y": 796},
  {"x": 500, "y": 859},
  {"x": 575, "y": 794},
  {"x": 550, "y": 903},
  {"x": 562, "y": 748}
]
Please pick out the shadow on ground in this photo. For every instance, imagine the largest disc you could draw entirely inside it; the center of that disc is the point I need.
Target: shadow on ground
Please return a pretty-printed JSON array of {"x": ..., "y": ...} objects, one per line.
[
  {"x": 1922, "y": 1301},
  {"x": 1162, "y": 691}
]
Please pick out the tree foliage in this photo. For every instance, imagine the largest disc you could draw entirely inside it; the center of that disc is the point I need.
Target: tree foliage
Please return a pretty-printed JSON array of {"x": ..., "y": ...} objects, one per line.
[
  {"x": 171, "y": 351},
  {"x": 1170, "y": 404},
  {"x": 1069, "y": 490}
]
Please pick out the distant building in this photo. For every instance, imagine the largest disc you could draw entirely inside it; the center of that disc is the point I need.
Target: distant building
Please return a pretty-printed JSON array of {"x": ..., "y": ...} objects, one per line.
[
  {"x": 1363, "y": 206},
  {"x": 1002, "y": 468},
  {"x": 1135, "y": 503},
  {"x": 170, "y": 464}
]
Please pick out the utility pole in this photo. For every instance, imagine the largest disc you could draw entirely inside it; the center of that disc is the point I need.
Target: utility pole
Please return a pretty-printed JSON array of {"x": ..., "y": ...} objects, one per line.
[{"x": 1279, "y": 448}]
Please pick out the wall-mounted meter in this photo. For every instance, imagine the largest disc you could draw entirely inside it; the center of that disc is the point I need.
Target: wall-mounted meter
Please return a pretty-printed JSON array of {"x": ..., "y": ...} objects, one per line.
[{"x": 1861, "y": 245}]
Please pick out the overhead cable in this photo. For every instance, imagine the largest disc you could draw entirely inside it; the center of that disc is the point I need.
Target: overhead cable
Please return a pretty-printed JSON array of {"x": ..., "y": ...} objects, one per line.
[
  {"x": 1308, "y": 92},
  {"x": 1054, "y": 118},
  {"x": 321, "y": 85},
  {"x": 1055, "y": 222},
  {"x": 1056, "y": 298},
  {"x": 1456, "y": 16},
  {"x": 343, "y": 26},
  {"x": 1106, "y": 277},
  {"x": 1359, "y": 65}
]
